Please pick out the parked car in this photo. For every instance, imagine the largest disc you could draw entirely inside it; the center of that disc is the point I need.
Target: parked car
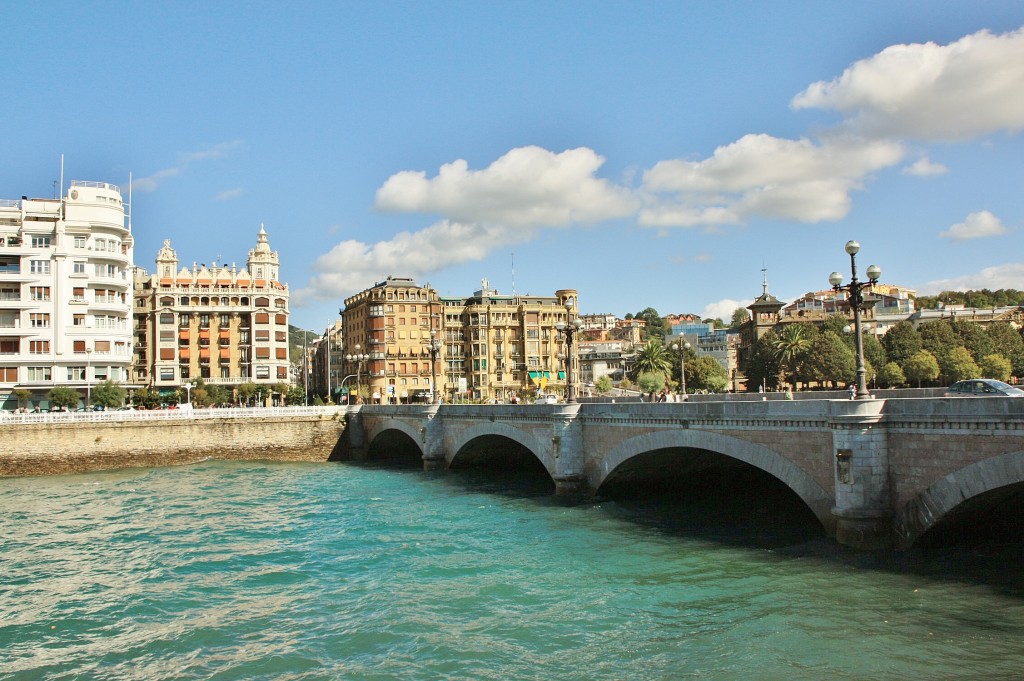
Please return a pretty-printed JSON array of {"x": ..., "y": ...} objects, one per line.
[
  {"x": 546, "y": 399},
  {"x": 983, "y": 387}
]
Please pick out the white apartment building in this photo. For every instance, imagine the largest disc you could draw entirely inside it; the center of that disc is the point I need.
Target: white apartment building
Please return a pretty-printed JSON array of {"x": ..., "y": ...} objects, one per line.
[{"x": 65, "y": 292}]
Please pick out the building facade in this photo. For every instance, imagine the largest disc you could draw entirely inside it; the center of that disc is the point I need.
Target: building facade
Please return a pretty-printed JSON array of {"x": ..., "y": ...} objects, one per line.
[
  {"x": 222, "y": 324},
  {"x": 65, "y": 292},
  {"x": 489, "y": 346},
  {"x": 497, "y": 346},
  {"x": 390, "y": 325}
]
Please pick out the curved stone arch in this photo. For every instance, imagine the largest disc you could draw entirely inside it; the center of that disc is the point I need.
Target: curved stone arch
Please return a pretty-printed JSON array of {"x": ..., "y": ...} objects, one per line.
[
  {"x": 537, "y": 447},
  {"x": 937, "y": 501},
  {"x": 803, "y": 485},
  {"x": 396, "y": 424}
]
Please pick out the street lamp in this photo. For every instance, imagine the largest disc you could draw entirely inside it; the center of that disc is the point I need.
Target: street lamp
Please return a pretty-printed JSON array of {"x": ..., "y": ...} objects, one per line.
[
  {"x": 569, "y": 331},
  {"x": 88, "y": 384},
  {"x": 188, "y": 392},
  {"x": 856, "y": 299},
  {"x": 682, "y": 363},
  {"x": 358, "y": 359},
  {"x": 435, "y": 348}
]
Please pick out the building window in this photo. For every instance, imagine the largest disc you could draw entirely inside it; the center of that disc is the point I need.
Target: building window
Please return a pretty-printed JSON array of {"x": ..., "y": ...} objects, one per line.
[
  {"x": 38, "y": 373},
  {"x": 78, "y": 267},
  {"x": 39, "y": 320},
  {"x": 262, "y": 372},
  {"x": 166, "y": 374},
  {"x": 76, "y": 373},
  {"x": 78, "y": 320},
  {"x": 39, "y": 292},
  {"x": 183, "y": 320},
  {"x": 79, "y": 242},
  {"x": 39, "y": 266},
  {"x": 40, "y": 241},
  {"x": 166, "y": 318},
  {"x": 39, "y": 347}
]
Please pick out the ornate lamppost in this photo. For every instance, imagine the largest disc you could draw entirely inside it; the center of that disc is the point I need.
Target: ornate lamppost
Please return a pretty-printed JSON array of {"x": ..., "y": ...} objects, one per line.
[
  {"x": 358, "y": 359},
  {"x": 856, "y": 299},
  {"x": 682, "y": 348},
  {"x": 435, "y": 348},
  {"x": 569, "y": 331}
]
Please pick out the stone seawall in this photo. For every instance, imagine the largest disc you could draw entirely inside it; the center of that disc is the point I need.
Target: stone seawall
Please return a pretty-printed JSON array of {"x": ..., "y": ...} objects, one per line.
[{"x": 55, "y": 448}]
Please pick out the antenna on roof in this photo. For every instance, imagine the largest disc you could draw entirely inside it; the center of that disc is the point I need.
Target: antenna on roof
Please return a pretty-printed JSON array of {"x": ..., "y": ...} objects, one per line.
[{"x": 764, "y": 276}]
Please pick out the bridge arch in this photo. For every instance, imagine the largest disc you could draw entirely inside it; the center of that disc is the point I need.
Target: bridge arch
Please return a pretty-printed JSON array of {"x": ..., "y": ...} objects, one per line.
[
  {"x": 817, "y": 499},
  {"x": 521, "y": 437},
  {"x": 944, "y": 499},
  {"x": 399, "y": 434}
]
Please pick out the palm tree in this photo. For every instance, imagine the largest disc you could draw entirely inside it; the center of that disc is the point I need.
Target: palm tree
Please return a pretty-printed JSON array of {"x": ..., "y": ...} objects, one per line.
[
  {"x": 791, "y": 347},
  {"x": 653, "y": 359}
]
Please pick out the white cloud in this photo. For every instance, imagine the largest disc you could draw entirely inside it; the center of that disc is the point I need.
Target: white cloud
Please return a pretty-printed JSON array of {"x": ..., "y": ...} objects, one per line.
[
  {"x": 528, "y": 186},
  {"x": 353, "y": 265},
  {"x": 976, "y": 225},
  {"x": 764, "y": 176},
  {"x": 1000, "y": 276},
  {"x": 229, "y": 194},
  {"x": 923, "y": 167},
  {"x": 723, "y": 309},
  {"x": 974, "y": 86},
  {"x": 151, "y": 182}
]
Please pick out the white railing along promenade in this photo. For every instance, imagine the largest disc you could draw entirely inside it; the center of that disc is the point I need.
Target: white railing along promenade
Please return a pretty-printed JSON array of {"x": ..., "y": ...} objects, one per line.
[{"x": 169, "y": 414}]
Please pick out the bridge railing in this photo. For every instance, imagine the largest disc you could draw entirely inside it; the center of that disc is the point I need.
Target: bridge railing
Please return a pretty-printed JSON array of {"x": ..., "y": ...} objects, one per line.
[{"x": 170, "y": 414}]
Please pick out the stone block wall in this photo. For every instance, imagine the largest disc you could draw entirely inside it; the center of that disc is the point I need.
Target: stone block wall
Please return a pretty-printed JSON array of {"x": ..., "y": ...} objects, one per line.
[{"x": 54, "y": 448}]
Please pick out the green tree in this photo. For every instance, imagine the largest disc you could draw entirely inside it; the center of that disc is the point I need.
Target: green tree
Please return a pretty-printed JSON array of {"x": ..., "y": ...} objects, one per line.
[
  {"x": 939, "y": 338},
  {"x": 281, "y": 388},
  {"x": 837, "y": 324},
  {"x": 654, "y": 324},
  {"x": 603, "y": 385},
  {"x": 874, "y": 351},
  {"x": 246, "y": 391},
  {"x": 705, "y": 373},
  {"x": 1007, "y": 342},
  {"x": 653, "y": 358},
  {"x": 791, "y": 349},
  {"x": 830, "y": 360},
  {"x": 920, "y": 367},
  {"x": 63, "y": 398},
  {"x": 974, "y": 338},
  {"x": 902, "y": 342},
  {"x": 651, "y": 382},
  {"x": 23, "y": 396},
  {"x": 957, "y": 365},
  {"x": 147, "y": 398},
  {"x": 891, "y": 376},
  {"x": 995, "y": 366},
  {"x": 217, "y": 394},
  {"x": 761, "y": 365},
  {"x": 108, "y": 394},
  {"x": 295, "y": 396},
  {"x": 740, "y": 316}
]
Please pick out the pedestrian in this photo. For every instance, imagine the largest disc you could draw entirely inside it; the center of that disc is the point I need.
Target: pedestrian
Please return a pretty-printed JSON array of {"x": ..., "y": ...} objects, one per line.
[{"x": 853, "y": 391}]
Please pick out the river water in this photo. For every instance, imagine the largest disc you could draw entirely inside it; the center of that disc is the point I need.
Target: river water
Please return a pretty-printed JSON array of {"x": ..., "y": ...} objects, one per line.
[{"x": 324, "y": 571}]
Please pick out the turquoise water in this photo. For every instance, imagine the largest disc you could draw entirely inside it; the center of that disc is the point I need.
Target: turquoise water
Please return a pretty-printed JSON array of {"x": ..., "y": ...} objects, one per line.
[{"x": 324, "y": 571}]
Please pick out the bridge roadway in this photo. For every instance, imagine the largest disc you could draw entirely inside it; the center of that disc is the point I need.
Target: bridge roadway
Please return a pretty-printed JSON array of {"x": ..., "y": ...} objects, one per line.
[{"x": 876, "y": 473}]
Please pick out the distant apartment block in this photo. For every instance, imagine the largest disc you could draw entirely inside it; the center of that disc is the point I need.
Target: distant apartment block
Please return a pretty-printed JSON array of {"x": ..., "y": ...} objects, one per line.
[
  {"x": 65, "y": 292},
  {"x": 222, "y": 324}
]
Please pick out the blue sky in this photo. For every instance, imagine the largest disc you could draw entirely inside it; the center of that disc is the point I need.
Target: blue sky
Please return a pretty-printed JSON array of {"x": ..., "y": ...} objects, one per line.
[{"x": 646, "y": 153}]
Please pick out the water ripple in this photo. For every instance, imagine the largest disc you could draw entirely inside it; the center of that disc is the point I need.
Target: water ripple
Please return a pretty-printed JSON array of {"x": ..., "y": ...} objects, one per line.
[{"x": 308, "y": 572}]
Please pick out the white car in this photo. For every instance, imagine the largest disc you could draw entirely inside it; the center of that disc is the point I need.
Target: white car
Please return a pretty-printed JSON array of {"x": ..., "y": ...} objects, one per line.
[{"x": 546, "y": 399}]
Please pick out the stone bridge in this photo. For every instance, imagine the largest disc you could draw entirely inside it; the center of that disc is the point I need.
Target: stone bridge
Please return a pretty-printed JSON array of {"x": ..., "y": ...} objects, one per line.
[{"x": 875, "y": 473}]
